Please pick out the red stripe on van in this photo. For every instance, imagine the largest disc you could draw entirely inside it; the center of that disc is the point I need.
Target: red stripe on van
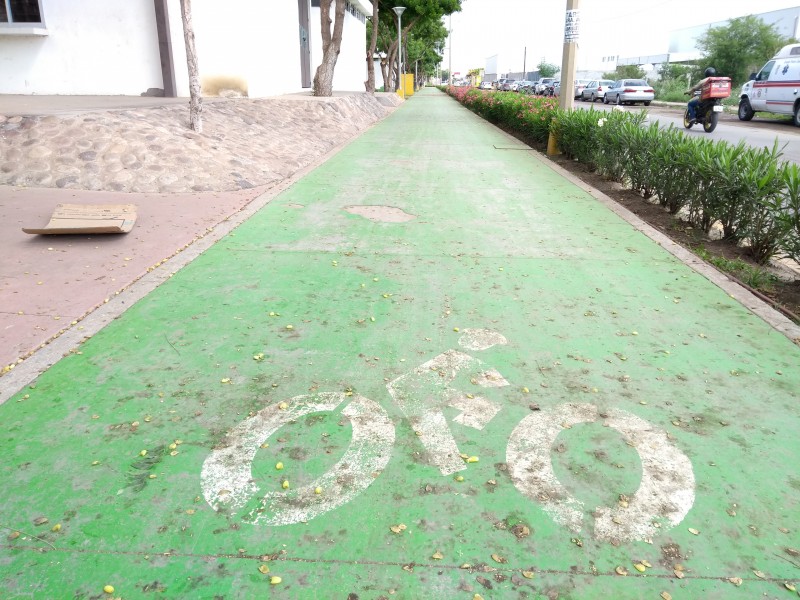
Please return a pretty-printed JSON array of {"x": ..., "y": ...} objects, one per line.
[{"x": 769, "y": 84}]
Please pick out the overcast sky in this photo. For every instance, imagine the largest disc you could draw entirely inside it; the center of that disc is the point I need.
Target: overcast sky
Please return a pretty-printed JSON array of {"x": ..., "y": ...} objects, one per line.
[{"x": 608, "y": 27}]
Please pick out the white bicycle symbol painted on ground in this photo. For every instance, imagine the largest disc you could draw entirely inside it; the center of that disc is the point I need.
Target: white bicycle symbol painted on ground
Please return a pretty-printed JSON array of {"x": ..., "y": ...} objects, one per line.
[{"x": 665, "y": 494}]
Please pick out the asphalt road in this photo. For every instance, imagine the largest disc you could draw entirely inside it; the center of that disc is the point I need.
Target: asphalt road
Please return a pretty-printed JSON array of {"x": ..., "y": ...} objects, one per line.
[{"x": 759, "y": 132}]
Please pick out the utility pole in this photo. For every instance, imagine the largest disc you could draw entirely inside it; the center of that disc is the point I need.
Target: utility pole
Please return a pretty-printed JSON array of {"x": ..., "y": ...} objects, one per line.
[
  {"x": 525, "y": 63},
  {"x": 571, "y": 34},
  {"x": 566, "y": 99}
]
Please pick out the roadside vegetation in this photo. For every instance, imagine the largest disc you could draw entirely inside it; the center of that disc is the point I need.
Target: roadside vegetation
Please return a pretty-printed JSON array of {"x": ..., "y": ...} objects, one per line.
[{"x": 748, "y": 196}]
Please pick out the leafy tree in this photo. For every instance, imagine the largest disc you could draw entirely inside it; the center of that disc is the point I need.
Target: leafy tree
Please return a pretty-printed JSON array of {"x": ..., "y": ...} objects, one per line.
[
  {"x": 625, "y": 72},
  {"x": 547, "y": 69},
  {"x": 676, "y": 72},
  {"x": 741, "y": 47},
  {"x": 424, "y": 46},
  {"x": 423, "y": 35}
]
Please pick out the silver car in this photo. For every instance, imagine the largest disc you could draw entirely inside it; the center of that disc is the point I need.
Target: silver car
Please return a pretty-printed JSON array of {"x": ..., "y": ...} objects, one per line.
[
  {"x": 629, "y": 91},
  {"x": 580, "y": 85},
  {"x": 595, "y": 90}
]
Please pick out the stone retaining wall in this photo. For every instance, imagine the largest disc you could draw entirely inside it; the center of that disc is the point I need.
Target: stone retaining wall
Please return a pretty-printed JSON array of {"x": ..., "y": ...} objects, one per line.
[{"x": 245, "y": 143}]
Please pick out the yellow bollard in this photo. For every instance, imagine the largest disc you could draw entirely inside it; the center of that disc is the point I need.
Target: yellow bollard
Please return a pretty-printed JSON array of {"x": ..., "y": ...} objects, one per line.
[{"x": 552, "y": 145}]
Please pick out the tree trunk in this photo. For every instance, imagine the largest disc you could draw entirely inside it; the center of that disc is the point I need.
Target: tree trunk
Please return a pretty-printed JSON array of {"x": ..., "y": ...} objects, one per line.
[
  {"x": 385, "y": 74},
  {"x": 195, "y": 97},
  {"x": 373, "y": 43},
  {"x": 392, "y": 64},
  {"x": 331, "y": 45}
]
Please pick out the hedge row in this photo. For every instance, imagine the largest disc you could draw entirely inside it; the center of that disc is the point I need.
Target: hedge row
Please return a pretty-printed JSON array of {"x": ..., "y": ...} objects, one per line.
[{"x": 750, "y": 192}]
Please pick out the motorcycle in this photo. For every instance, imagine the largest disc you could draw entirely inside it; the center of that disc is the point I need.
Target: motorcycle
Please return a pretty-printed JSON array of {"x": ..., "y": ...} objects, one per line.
[{"x": 714, "y": 91}]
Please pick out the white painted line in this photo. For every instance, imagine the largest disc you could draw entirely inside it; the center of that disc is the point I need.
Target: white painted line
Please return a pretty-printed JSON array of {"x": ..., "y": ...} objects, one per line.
[{"x": 665, "y": 495}]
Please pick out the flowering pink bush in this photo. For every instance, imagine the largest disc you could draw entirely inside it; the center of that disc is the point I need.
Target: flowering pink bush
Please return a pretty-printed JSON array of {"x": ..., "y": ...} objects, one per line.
[{"x": 529, "y": 115}]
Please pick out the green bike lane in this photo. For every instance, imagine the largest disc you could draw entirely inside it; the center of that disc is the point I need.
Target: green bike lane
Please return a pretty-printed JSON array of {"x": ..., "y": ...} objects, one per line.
[{"x": 432, "y": 368}]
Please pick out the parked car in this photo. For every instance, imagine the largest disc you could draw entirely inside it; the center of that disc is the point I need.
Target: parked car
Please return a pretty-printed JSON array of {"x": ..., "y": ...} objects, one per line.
[
  {"x": 595, "y": 90},
  {"x": 485, "y": 85},
  {"x": 553, "y": 89},
  {"x": 525, "y": 86},
  {"x": 629, "y": 91},
  {"x": 540, "y": 87},
  {"x": 503, "y": 84},
  {"x": 580, "y": 84}
]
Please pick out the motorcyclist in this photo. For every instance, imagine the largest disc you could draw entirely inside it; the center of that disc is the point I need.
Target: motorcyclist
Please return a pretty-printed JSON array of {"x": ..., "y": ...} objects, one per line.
[{"x": 695, "y": 101}]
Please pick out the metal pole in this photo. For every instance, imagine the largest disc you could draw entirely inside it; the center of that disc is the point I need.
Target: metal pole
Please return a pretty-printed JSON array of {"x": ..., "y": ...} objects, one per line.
[
  {"x": 450, "y": 49},
  {"x": 399, "y": 12}
]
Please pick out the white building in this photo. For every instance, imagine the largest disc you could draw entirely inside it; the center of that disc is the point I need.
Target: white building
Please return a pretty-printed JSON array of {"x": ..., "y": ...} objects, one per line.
[
  {"x": 133, "y": 47},
  {"x": 683, "y": 42}
]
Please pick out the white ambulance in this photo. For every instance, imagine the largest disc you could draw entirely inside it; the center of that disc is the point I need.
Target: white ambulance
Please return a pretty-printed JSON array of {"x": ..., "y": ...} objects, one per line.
[{"x": 776, "y": 87}]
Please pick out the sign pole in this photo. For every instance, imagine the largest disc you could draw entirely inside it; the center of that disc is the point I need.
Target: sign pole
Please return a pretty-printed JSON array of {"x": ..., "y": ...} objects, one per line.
[
  {"x": 566, "y": 99},
  {"x": 571, "y": 34}
]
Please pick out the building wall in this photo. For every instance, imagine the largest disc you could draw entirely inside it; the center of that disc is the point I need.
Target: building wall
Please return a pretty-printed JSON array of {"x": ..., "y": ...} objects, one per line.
[
  {"x": 257, "y": 54},
  {"x": 91, "y": 47},
  {"x": 110, "y": 47}
]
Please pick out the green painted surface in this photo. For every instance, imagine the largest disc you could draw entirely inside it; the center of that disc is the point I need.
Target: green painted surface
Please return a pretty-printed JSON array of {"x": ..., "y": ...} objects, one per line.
[{"x": 593, "y": 313}]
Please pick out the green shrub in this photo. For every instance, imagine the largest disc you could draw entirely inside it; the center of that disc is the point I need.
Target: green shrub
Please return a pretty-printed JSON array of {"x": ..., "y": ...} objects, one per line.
[
  {"x": 611, "y": 148},
  {"x": 577, "y": 132},
  {"x": 790, "y": 210},
  {"x": 641, "y": 143},
  {"x": 671, "y": 90}
]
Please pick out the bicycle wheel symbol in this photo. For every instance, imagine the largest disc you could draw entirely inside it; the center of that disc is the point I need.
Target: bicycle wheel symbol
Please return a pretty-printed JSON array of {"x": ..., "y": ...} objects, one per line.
[
  {"x": 666, "y": 491},
  {"x": 227, "y": 480}
]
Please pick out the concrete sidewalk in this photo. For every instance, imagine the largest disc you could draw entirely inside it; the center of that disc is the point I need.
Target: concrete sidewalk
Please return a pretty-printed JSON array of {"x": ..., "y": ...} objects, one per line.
[{"x": 434, "y": 367}]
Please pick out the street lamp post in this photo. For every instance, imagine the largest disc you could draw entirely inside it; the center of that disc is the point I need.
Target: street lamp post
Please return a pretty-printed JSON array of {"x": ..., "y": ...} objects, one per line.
[{"x": 399, "y": 12}]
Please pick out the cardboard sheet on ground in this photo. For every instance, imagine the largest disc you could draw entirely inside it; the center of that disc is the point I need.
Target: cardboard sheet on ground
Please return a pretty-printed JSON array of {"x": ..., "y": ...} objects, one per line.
[{"x": 88, "y": 218}]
